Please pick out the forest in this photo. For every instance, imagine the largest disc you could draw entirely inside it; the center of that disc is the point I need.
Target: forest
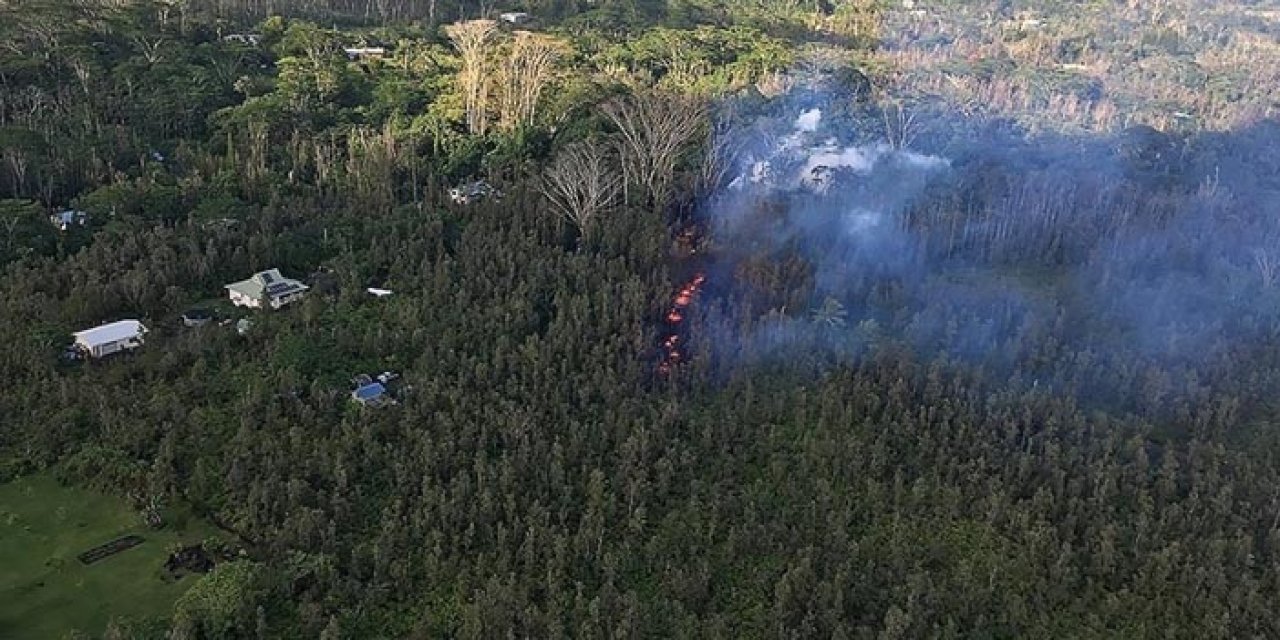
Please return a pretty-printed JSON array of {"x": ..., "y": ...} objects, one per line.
[{"x": 707, "y": 318}]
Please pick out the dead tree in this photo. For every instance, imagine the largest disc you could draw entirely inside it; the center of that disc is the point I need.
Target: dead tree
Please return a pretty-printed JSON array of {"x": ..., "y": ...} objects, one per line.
[
  {"x": 372, "y": 159},
  {"x": 718, "y": 154},
  {"x": 472, "y": 38},
  {"x": 655, "y": 128},
  {"x": 580, "y": 183},
  {"x": 16, "y": 159},
  {"x": 525, "y": 73},
  {"x": 899, "y": 124}
]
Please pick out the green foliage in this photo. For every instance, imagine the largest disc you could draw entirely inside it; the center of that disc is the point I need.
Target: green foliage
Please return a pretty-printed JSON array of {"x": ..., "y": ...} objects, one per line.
[
  {"x": 25, "y": 230},
  {"x": 220, "y": 603},
  {"x": 536, "y": 480},
  {"x": 48, "y": 593}
]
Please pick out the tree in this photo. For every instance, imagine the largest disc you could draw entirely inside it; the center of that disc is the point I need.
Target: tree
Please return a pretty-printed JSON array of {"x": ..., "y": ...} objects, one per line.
[
  {"x": 830, "y": 314},
  {"x": 899, "y": 123},
  {"x": 655, "y": 129},
  {"x": 472, "y": 38},
  {"x": 524, "y": 75},
  {"x": 580, "y": 183},
  {"x": 332, "y": 631},
  {"x": 218, "y": 603}
]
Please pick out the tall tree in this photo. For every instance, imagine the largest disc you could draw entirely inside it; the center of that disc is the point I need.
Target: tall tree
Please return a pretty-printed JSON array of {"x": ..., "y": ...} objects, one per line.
[
  {"x": 581, "y": 183},
  {"x": 655, "y": 129},
  {"x": 472, "y": 38},
  {"x": 525, "y": 73}
]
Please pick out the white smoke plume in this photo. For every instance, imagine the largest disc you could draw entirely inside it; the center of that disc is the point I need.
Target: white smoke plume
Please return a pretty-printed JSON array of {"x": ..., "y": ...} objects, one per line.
[{"x": 804, "y": 160}]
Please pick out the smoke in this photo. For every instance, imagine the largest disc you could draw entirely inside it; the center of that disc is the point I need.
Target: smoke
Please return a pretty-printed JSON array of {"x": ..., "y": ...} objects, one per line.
[{"x": 1052, "y": 257}]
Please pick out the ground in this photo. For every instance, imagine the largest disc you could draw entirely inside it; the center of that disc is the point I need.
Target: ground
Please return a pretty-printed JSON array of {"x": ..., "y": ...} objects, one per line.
[{"x": 45, "y": 592}]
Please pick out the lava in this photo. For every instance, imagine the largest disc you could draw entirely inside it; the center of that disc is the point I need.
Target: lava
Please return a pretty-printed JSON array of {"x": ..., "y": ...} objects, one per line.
[{"x": 671, "y": 351}]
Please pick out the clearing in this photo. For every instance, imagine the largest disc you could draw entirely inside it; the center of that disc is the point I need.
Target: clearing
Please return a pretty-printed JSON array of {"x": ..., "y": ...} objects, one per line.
[{"x": 46, "y": 592}]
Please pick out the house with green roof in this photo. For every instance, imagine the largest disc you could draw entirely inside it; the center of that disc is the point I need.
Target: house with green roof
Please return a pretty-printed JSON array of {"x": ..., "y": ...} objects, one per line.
[{"x": 266, "y": 288}]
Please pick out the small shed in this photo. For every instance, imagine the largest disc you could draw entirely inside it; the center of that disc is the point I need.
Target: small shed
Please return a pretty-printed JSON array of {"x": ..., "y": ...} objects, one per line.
[
  {"x": 365, "y": 53},
  {"x": 474, "y": 191},
  {"x": 196, "y": 317},
  {"x": 371, "y": 395},
  {"x": 68, "y": 218},
  {"x": 250, "y": 39}
]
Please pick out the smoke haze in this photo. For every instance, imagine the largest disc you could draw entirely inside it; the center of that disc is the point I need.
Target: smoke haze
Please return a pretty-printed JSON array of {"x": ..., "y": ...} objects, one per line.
[{"x": 1037, "y": 256}]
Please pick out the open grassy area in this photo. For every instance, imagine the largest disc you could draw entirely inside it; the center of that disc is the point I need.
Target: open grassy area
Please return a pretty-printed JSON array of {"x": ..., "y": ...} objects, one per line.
[{"x": 46, "y": 592}]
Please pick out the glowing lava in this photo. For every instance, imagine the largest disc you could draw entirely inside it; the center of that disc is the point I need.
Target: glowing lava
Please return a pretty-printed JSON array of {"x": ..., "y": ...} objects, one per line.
[{"x": 671, "y": 352}]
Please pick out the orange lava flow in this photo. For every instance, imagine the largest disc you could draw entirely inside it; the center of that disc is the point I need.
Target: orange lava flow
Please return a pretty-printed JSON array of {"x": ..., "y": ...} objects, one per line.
[{"x": 671, "y": 352}]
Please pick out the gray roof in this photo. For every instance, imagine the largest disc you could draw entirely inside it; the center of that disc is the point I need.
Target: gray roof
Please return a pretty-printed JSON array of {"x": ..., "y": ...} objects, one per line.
[{"x": 269, "y": 282}]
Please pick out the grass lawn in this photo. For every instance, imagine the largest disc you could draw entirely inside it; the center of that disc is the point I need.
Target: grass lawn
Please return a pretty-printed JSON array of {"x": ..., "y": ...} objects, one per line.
[{"x": 45, "y": 591}]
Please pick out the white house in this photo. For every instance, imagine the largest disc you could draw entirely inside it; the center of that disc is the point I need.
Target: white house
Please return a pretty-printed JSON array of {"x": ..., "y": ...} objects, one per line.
[
  {"x": 269, "y": 286},
  {"x": 515, "y": 17},
  {"x": 110, "y": 338}
]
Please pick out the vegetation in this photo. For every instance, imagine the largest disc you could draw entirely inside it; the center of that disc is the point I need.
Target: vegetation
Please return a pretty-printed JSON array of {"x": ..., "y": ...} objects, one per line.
[
  {"x": 47, "y": 592},
  {"x": 1039, "y": 404}
]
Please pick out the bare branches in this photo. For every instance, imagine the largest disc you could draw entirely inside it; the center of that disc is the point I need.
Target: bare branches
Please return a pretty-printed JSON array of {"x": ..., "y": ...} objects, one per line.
[
  {"x": 525, "y": 73},
  {"x": 16, "y": 159},
  {"x": 717, "y": 158},
  {"x": 899, "y": 124},
  {"x": 471, "y": 38},
  {"x": 655, "y": 129},
  {"x": 150, "y": 48},
  {"x": 581, "y": 183}
]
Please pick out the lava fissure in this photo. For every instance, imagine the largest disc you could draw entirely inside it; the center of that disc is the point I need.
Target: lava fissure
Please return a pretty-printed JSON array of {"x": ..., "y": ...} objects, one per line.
[{"x": 672, "y": 353}]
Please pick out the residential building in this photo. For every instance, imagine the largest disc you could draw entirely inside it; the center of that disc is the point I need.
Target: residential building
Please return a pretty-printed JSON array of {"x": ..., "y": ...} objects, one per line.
[
  {"x": 68, "y": 218},
  {"x": 110, "y": 338},
  {"x": 266, "y": 287}
]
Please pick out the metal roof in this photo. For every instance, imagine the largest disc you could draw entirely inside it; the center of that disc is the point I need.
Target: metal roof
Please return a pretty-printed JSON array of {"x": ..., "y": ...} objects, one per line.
[
  {"x": 109, "y": 333},
  {"x": 369, "y": 391},
  {"x": 269, "y": 281}
]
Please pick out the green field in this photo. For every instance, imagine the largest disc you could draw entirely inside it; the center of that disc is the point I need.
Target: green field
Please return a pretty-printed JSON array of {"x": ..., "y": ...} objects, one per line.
[{"x": 46, "y": 592}]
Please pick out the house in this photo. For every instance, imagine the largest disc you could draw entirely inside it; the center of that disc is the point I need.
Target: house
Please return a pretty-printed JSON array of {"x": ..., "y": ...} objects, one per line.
[
  {"x": 378, "y": 293},
  {"x": 365, "y": 53},
  {"x": 196, "y": 317},
  {"x": 110, "y": 338},
  {"x": 250, "y": 39},
  {"x": 478, "y": 190},
  {"x": 373, "y": 394},
  {"x": 515, "y": 17},
  {"x": 266, "y": 286},
  {"x": 68, "y": 218}
]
